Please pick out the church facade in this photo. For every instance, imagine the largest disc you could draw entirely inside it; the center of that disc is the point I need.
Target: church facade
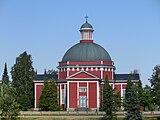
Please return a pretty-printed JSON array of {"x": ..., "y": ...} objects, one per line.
[{"x": 81, "y": 74}]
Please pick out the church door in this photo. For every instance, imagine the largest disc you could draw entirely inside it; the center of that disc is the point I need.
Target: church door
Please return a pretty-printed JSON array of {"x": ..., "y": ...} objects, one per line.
[{"x": 82, "y": 101}]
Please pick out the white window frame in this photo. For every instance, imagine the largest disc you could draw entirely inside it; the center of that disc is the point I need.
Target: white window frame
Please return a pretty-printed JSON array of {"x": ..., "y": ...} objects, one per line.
[{"x": 82, "y": 89}]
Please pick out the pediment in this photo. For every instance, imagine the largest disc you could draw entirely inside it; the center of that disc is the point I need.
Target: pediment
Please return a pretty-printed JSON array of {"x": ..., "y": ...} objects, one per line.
[{"x": 82, "y": 75}]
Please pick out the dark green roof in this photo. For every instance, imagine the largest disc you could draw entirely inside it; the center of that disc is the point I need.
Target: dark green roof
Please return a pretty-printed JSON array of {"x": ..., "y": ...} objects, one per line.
[
  {"x": 86, "y": 25},
  {"x": 86, "y": 51}
]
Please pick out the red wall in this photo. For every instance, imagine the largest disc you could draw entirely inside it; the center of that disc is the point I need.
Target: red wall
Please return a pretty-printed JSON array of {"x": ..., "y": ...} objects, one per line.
[
  {"x": 92, "y": 95},
  {"x": 109, "y": 73},
  {"x": 72, "y": 95},
  {"x": 117, "y": 89},
  {"x": 62, "y": 75},
  {"x": 38, "y": 93}
]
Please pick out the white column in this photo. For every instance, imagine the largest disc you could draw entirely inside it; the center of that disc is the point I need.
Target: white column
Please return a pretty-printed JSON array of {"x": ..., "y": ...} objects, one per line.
[
  {"x": 121, "y": 91},
  {"x": 67, "y": 95},
  {"x": 60, "y": 92},
  {"x": 68, "y": 69},
  {"x": 35, "y": 95},
  {"x": 78, "y": 94},
  {"x": 101, "y": 69},
  {"x": 87, "y": 96},
  {"x": 98, "y": 95}
]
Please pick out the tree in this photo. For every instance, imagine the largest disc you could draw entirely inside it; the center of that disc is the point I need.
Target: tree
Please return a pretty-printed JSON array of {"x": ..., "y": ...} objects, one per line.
[
  {"x": 141, "y": 93},
  {"x": 23, "y": 75},
  {"x": 48, "y": 99},
  {"x": 107, "y": 100},
  {"x": 148, "y": 98},
  {"x": 8, "y": 105},
  {"x": 155, "y": 85},
  {"x": 132, "y": 102},
  {"x": 117, "y": 101},
  {"x": 5, "y": 77}
]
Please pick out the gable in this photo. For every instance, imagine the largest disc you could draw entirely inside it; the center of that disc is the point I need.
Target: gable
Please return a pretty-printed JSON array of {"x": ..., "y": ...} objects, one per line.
[{"x": 82, "y": 75}]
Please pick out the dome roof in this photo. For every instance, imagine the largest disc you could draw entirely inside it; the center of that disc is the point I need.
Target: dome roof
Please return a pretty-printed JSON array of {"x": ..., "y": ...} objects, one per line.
[
  {"x": 86, "y": 25},
  {"x": 87, "y": 51}
]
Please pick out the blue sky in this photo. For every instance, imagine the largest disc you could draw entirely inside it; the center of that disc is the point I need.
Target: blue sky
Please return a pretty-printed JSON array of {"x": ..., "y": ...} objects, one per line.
[{"x": 128, "y": 30}]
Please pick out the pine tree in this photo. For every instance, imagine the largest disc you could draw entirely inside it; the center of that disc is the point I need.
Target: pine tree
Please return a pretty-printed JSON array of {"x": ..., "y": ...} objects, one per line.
[
  {"x": 48, "y": 99},
  {"x": 53, "y": 101},
  {"x": 23, "y": 75},
  {"x": 43, "y": 101},
  {"x": 8, "y": 105},
  {"x": 141, "y": 93},
  {"x": 107, "y": 100},
  {"x": 132, "y": 102},
  {"x": 117, "y": 101},
  {"x": 155, "y": 85},
  {"x": 5, "y": 77}
]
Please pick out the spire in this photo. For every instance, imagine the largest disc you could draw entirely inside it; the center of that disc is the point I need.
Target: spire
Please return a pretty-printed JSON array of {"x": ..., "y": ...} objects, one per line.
[{"x": 86, "y": 18}]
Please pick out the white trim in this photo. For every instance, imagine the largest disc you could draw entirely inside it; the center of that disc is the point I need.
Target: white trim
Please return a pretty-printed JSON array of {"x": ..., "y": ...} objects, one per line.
[
  {"x": 91, "y": 69},
  {"x": 84, "y": 88},
  {"x": 98, "y": 95},
  {"x": 64, "y": 94},
  {"x": 80, "y": 66},
  {"x": 101, "y": 70},
  {"x": 35, "y": 86},
  {"x": 67, "y": 95},
  {"x": 77, "y": 94},
  {"x": 121, "y": 90},
  {"x": 87, "y": 96},
  {"x": 81, "y": 81},
  {"x": 86, "y": 68},
  {"x": 60, "y": 94},
  {"x": 68, "y": 69},
  {"x": 35, "y": 95},
  {"x": 82, "y": 78}
]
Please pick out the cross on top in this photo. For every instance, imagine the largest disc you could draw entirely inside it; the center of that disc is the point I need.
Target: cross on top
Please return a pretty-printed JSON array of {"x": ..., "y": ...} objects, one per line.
[{"x": 86, "y": 18}]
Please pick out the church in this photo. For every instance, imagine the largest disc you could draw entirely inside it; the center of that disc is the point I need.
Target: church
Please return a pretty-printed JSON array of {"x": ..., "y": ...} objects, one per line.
[{"x": 81, "y": 74}]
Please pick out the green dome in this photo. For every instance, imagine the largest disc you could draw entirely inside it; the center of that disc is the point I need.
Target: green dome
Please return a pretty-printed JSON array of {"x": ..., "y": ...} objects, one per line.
[
  {"x": 86, "y": 51},
  {"x": 86, "y": 25}
]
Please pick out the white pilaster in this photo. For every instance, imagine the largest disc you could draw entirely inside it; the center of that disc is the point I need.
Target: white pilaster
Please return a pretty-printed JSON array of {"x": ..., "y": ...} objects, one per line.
[
  {"x": 77, "y": 94},
  {"x": 68, "y": 69},
  {"x": 35, "y": 95},
  {"x": 121, "y": 91},
  {"x": 101, "y": 70},
  {"x": 98, "y": 95},
  {"x": 60, "y": 92},
  {"x": 87, "y": 96},
  {"x": 67, "y": 95}
]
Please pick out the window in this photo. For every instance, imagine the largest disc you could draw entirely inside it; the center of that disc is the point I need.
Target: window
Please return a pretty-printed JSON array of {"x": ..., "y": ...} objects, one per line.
[
  {"x": 82, "y": 89},
  {"x": 124, "y": 92},
  {"x": 63, "y": 96}
]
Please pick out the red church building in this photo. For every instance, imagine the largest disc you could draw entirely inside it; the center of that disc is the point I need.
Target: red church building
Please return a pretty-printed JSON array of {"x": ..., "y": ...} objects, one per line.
[{"x": 81, "y": 74}]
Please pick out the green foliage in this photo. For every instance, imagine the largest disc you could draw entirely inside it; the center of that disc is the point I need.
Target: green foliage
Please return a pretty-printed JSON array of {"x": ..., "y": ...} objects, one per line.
[
  {"x": 23, "y": 75},
  {"x": 107, "y": 100},
  {"x": 116, "y": 101},
  {"x": 141, "y": 93},
  {"x": 155, "y": 85},
  {"x": 48, "y": 99},
  {"x": 132, "y": 102},
  {"x": 5, "y": 77},
  {"x": 8, "y": 105},
  {"x": 148, "y": 98}
]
